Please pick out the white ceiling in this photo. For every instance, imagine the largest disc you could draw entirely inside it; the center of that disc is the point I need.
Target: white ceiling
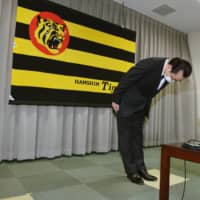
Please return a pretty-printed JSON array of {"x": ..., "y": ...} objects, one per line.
[{"x": 186, "y": 18}]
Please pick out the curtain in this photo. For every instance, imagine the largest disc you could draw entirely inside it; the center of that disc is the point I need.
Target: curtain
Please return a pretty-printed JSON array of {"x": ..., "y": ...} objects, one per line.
[{"x": 29, "y": 132}]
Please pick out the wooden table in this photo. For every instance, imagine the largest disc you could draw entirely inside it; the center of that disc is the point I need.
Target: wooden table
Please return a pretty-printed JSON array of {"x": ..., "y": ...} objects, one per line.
[{"x": 175, "y": 151}]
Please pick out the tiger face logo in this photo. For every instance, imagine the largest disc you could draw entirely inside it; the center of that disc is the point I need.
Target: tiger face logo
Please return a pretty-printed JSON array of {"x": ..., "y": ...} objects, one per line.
[{"x": 49, "y": 33}]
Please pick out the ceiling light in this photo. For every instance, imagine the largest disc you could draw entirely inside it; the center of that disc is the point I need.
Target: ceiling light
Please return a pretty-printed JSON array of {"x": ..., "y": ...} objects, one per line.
[{"x": 163, "y": 10}]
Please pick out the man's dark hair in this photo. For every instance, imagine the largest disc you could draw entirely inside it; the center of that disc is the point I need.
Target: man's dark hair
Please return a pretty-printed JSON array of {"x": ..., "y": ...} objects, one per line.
[{"x": 181, "y": 64}]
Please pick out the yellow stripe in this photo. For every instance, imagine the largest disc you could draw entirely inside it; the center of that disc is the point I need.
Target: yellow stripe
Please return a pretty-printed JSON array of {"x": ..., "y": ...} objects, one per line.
[
  {"x": 25, "y": 16},
  {"x": 26, "y": 47},
  {"x": 62, "y": 82}
]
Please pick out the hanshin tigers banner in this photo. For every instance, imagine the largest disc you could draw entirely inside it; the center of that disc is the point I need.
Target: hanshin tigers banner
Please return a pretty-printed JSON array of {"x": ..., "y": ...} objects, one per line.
[{"x": 65, "y": 57}]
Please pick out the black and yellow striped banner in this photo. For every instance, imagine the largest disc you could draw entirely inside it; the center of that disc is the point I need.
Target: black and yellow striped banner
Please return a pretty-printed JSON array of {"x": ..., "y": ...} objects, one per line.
[{"x": 65, "y": 57}]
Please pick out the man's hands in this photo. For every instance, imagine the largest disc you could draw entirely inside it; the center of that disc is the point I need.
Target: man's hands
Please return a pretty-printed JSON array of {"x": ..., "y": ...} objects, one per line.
[{"x": 115, "y": 107}]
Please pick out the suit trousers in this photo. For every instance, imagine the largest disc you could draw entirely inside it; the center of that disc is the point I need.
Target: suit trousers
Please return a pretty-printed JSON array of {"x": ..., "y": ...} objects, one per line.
[{"x": 130, "y": 137}]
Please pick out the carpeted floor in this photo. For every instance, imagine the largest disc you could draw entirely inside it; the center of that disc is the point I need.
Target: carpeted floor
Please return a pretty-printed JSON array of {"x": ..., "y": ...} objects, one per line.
[{"x": 92, "y": 177}]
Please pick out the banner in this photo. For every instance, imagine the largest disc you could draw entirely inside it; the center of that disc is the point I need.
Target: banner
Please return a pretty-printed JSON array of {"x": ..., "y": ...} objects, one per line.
[{"x": 64, "y": 57}]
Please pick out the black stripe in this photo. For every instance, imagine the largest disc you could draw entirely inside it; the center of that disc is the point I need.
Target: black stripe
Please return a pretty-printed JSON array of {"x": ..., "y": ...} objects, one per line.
[
  {"x": 22, "y": 30},
  {"x": 84, "y": 45},
  {"x": 92, "y": 47},
  {"x": 56, "y": 67},
  {"x": 78, "y": 17},
  {"x": 42, "y": 96}
]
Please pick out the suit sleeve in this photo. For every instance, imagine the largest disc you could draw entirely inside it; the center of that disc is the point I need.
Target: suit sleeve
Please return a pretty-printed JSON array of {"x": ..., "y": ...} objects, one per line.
[{"x": 131, "y": 77}]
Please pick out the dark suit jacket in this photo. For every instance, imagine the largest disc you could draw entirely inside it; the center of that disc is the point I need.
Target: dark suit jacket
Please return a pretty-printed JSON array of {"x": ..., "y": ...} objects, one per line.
[{"x": 138, "y": 86}]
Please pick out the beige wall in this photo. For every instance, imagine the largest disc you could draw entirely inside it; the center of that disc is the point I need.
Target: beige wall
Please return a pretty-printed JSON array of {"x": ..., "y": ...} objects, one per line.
[{"x": 194, "y": 44}]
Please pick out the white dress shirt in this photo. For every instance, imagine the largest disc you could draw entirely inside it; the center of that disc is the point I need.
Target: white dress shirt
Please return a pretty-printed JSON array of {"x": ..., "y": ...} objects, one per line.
[{"x": 164, "y": 79}]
